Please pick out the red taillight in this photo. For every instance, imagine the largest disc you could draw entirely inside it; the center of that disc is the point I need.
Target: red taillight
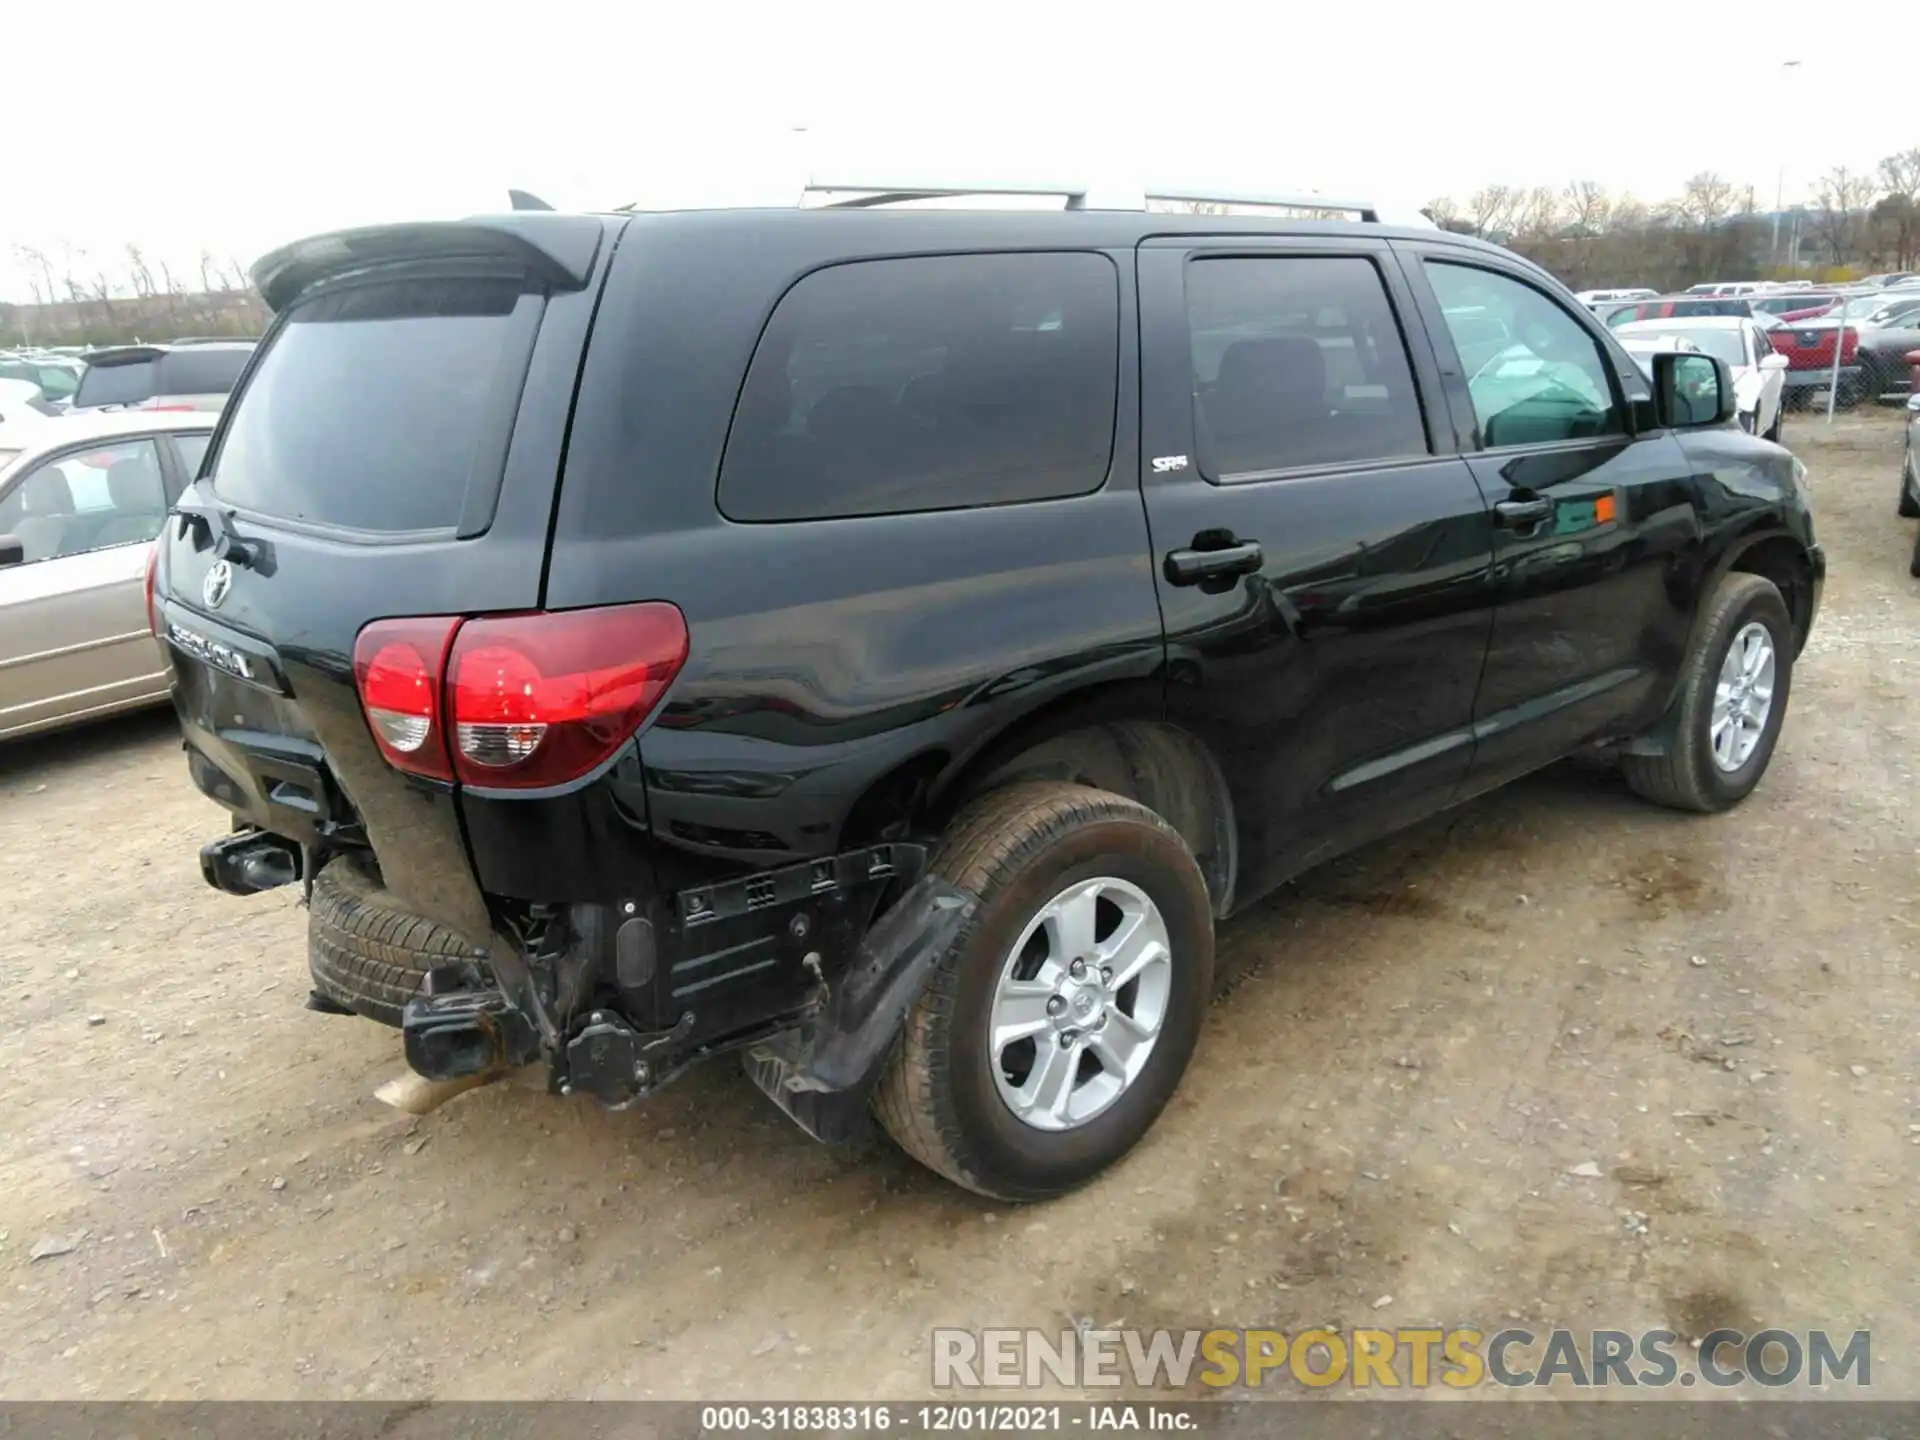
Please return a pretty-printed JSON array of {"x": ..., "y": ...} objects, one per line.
[
  {"x": 542, "y": 699},
  {"x": 516, "y": 701},
  {"x": 398, "y": 666},
  {"x": 156, "y": 408},
  {"x": 152, "y": 590}
]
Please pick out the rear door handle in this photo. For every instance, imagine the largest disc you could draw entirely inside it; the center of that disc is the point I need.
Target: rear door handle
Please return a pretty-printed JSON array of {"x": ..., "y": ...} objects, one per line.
[
  {"x": 1515, "y": 513},
  {"x": 1190, "y": 567}
]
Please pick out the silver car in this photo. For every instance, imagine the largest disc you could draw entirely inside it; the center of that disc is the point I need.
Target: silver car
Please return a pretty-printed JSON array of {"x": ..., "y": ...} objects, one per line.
[{"x": 81, "y": 498}]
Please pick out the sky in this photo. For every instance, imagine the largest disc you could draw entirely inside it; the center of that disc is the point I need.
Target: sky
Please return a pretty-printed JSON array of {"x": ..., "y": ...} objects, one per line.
[{"x": 182, "y": 125}]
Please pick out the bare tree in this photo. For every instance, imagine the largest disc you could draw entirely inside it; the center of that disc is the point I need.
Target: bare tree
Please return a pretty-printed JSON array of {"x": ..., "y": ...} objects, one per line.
[
  {"x": 1588, "y": 207},
  {"x": 41, "y": 279},
  {"x": 139, "y": 271},
  {"x": 1897, "y": 215},
  {"x": 1839, "y": 222},
  {"x": 1706, "y": 201},
  {"x": 1536, "y": 213},
  {"x": 1490, "y": 209}
]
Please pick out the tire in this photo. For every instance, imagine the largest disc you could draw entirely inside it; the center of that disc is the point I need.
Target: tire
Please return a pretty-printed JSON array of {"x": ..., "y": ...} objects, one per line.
[
  {"x": 1779, "y": 419},
  {"x": 367, "y": 953},
  {"x": 1019, "y": 849},
  {"x": 1688, "y": 777},
  {"x": 1909, "y": 489},
  {"x": 1913, "y": 565}
]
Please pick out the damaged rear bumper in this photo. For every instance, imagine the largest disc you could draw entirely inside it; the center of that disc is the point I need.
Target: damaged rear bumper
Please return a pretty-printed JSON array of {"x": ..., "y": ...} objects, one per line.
[{"x": 818, "y": 1054}]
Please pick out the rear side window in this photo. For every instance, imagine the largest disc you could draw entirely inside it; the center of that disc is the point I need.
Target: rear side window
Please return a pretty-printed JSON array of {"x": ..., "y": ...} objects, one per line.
[
  {"x": 1297, "y": 360},
  {"x": 937, "y": 383},
  {"x": 373, "y": 405},
  {"x": 126, "y": 384},
  {"x": 201, "y": 372}
]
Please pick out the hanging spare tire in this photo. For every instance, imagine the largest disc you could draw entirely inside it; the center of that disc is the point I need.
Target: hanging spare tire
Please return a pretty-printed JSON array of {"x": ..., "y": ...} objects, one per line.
[{"x": 367, "y": 953}]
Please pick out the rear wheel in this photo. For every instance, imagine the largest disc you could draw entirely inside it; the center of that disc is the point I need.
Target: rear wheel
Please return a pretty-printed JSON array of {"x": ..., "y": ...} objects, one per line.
[
  {"x": 1732, "y": 702},
  {"x": 1055, "y": 1029}
]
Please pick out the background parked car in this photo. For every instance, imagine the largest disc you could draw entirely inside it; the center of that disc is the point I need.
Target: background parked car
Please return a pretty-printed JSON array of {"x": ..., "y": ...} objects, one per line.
[
  {"x": 1594, "y": 299},
  {"x": 182, "y": 375},
  {"x": 55, "y": 376},
  {"x": 1882, "y": 307},
  {"x": 1798, "y": 304},
  {"x": 1884, "y": 371},
  {"x": 80, "y": 504},
  {"x": 1673, "y": 307},
  {"x": 1759, "y": 374},
  {"x": 1808, "y": 346},
  {"x": 23, "y": 409}
]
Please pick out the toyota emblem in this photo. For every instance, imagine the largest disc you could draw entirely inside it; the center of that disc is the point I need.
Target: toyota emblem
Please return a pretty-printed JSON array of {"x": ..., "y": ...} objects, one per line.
[{"x": 219, "y": 580}]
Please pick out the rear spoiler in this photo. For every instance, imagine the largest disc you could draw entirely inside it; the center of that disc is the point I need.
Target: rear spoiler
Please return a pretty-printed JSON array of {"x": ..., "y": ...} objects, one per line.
[
  {"x": 123, "y": 354},
  {"x": 559, "y": 249}
]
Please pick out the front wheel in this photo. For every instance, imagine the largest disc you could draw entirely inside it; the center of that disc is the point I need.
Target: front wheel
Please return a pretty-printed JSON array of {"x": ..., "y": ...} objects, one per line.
[
  {"x": 1909, "y": 488},
  {"x": 1056, "y": 1027},
  {"x": 1732, "y": 702}
]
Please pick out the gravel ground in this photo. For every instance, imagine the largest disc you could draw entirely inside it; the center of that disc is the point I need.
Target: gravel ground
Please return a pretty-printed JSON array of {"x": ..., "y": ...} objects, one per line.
[{"x": 1558, "y": 1056}]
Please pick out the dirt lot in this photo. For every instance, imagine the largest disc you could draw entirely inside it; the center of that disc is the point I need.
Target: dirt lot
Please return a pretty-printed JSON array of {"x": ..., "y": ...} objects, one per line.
[{"x": 1419, "y": 1045}]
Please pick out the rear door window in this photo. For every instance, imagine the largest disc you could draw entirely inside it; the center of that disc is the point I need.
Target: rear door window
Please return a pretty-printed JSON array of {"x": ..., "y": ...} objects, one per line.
[
  {"x": 124, "y": 384},
  {"x": 1298, "y": 361},
  {"x": 932, "y": 383},
  {"x": 375, "y": 406}
]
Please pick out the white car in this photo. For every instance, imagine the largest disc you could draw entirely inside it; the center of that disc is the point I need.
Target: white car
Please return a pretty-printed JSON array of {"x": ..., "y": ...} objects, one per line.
[
  {"x": 1593, "y": 298},
  {"x": 1759, "y": 374}
]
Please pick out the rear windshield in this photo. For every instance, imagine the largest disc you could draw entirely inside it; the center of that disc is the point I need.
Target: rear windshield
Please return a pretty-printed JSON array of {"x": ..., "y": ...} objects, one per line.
[
  {"x": 201, "y": 372},
  {"x": 126, "y": 384},
  {"x": 373, "y": 406}
]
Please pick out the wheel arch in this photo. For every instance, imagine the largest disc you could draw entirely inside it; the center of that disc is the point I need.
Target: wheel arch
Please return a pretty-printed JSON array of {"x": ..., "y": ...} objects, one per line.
[
  {"x": 1781, "y": 558},
  {"x": 1114, "y": 737}
]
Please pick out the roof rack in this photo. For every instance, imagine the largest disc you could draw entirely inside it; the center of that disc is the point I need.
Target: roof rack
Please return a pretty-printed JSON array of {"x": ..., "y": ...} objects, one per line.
[{"x": 1085, "y": 197}]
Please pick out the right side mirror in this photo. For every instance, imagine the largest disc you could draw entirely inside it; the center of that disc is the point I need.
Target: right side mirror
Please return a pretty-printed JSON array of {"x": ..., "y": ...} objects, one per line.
[
  {"x": 13, "y": 550},
  {"x": 1692, "y": 390}
]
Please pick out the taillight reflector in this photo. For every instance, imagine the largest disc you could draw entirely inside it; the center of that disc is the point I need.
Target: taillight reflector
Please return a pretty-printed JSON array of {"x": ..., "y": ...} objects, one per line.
[{"x": 516, "y": 701}]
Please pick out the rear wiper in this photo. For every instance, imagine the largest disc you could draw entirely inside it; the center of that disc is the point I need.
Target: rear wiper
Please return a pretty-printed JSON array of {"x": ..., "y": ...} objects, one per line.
[{"x": 211, "y": 524}]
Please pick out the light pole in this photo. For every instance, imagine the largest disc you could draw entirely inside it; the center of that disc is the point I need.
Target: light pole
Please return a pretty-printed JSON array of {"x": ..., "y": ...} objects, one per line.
[{"x": 1779, "y": 187}]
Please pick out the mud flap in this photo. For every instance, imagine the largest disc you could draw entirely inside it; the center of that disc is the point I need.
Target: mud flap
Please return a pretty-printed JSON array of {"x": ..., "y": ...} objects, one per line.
[{"x": 822, "y": 1072}]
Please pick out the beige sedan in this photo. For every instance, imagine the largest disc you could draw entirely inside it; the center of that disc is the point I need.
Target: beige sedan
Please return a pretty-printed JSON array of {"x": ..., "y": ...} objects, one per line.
[{"x": 81, "y": 499}]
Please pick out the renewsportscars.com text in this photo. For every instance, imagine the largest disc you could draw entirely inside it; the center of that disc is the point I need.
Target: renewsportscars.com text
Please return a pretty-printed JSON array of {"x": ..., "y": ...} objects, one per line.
[{"x": 1411, "y": 1358}]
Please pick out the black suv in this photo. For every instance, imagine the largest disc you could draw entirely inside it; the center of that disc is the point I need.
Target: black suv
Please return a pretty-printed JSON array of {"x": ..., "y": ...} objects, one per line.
[{"x": 885, "y": 642}]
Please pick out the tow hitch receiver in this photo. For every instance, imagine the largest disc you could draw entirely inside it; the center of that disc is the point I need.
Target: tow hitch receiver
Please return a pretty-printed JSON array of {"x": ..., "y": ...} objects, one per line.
[
  {"x": 249, "y": 862},
  {"x": 459, "y": 1026}
]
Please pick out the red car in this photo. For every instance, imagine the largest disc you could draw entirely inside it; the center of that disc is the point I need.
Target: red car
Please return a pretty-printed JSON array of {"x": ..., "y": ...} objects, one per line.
[{"x": 1809, "y": 351}]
